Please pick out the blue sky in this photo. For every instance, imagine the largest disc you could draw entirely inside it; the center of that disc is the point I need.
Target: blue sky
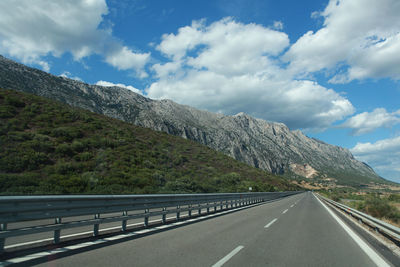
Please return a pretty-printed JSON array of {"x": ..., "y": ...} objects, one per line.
[{"x": 329, "y": 68}]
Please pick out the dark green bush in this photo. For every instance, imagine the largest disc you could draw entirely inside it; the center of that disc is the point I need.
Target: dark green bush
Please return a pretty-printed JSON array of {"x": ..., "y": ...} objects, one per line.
[
  {"x": 67, "y": 133},
  {"x": 14, "y": 101},
  {"x": 85, "y": 156},
  {"x": 7, "y": 112},
  {"x": 65, "y": 150}
]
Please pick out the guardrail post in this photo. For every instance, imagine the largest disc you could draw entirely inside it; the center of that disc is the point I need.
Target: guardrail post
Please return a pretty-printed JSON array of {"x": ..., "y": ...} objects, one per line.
[
  {"x": 190, "y": 210},
  {"x": 215, "y": 207},
  {"x": 208, "y": 208},
  {"x": 146, "y": 218},
  {"x": 178, "y": 214},
  {"x": 222, "y": 205},
  {"x": 96, "y": 226},
  {"x": 3, "y": 227},
  {"x": 199, "y": 208},
  {"x": 164, "y": 216},
  {"x": 57, "y": 233},
  {"x": 124, "y": 222}
]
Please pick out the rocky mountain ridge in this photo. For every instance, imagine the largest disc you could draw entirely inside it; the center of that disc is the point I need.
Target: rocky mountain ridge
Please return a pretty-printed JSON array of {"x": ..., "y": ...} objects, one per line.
[{"x": 266, "y": 145}]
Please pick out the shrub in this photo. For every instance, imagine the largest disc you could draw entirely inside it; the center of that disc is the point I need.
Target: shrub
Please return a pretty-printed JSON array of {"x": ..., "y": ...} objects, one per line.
[
  {"x": 7, "y": 112},
  {"x": 14, "y": 101},
  {"x": 63, "y": 167},
  {"x": 78, "y": 146},
  {"x": 379, "y": 208},
  {"x": 85, "y": 156},
  {"x": 67, "y": 133},
  {"x": 64, "y": 150}
]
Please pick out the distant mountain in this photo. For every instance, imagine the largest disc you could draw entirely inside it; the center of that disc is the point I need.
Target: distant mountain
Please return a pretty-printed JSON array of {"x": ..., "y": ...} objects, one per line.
[{"x": 266, "y": 145}]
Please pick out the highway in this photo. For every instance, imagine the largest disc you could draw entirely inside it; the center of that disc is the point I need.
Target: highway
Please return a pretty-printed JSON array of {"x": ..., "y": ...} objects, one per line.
[{"x": 293, "y": 231}]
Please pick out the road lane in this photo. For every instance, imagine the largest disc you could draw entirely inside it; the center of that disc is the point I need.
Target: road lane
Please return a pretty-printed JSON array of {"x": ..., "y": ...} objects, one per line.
[{"x": 306, "y": 235}]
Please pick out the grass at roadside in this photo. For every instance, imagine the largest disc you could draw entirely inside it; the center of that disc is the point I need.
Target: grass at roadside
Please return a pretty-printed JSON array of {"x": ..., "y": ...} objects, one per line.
[{"x": 384, "y": 206}]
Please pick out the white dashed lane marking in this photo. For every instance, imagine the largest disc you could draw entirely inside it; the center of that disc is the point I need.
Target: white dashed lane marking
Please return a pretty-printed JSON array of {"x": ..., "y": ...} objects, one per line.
[{"x": 268, "y": 225}]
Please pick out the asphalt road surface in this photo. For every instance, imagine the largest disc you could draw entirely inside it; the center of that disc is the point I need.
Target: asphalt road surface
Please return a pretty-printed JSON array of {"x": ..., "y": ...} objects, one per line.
[{"x": 294, "y": 231}]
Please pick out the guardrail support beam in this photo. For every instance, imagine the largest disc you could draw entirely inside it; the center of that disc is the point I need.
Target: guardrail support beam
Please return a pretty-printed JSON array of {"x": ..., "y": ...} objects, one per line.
[
  {"x": 178, "y": 214},
  {"x": 57, "y": 233},
  {"x": 96, "y": 226},
  {"x": 3, "y": 227},
  {"x": 124, "y": 222},
  {"x": 164, "y": 216},
  {"x": 146, "y": 218}
]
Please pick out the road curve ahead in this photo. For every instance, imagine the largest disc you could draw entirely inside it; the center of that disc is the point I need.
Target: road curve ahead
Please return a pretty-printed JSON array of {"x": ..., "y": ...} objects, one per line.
[{"x": 294, "y": 231}]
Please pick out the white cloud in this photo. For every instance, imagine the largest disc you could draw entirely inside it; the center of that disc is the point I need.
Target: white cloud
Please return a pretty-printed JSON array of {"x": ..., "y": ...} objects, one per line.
[
  {"x": 363, "y": 36},
  {"x": 278, "y": 25},
  {"x": 110, "y": 84},
  {"x": 123, "y": 59},
  {"x": 231, "y": 67},
  {"x": 30, "y": 30},
  {"x": 67, "y": 74},
  {"x": 384, "y": 156},
  {"x": 367, "y": 122}
]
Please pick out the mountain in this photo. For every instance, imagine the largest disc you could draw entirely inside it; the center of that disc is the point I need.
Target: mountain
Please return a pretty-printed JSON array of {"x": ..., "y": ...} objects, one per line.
[
  {"x": 266, "y": 145},
  {"x": 47, "y": 147}
]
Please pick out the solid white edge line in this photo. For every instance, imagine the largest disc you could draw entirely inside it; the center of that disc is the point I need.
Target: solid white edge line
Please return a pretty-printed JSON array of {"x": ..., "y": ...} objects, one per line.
[
  {"x": 228, "y": 257},
  {"x": 284, "y": 211},
  {"x": 364, "y": 246},
  {"x": 268, "y": 225}
]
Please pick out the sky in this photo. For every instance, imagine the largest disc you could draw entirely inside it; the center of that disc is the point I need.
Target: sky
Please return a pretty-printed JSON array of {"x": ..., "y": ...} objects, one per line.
[{"x": 328, "y": 68}]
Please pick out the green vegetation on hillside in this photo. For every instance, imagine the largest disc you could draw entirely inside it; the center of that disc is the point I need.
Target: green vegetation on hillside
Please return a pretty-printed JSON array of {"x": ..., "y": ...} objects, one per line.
[
  {"x": 50, "y": 148},
  {"x": 379, "y": 205}
]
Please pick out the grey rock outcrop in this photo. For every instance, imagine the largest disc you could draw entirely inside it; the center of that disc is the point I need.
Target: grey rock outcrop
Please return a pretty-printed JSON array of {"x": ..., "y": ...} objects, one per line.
[{"x": 266, "y": 145}]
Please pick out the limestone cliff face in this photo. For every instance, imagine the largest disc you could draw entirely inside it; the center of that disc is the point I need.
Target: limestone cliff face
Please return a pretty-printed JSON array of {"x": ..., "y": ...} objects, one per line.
[{"x": 266, "y": 145}]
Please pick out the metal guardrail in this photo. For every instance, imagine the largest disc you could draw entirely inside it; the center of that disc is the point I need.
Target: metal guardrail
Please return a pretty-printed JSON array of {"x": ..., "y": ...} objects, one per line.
[
  {"x": 385, "y": 228},
  {"x": 110, "y": 208}
]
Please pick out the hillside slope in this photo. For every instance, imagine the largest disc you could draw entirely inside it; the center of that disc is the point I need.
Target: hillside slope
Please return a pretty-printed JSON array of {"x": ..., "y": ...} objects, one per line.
[
  {"x": 48, "y": 148},
  {"x": 269, "y": 146}
]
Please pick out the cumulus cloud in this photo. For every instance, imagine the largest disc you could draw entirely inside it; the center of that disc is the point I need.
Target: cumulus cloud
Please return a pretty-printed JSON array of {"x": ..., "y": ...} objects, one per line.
[
  {"x": 67, "y": 74},
  {"x": 123, "y": 58},
  {"x": 110, "y": 84},
  {"x": 383, "y": 155},
  {"x": 361, "y": 36},
  {"x": 367, "y": 122},
  {"x": 278, "y": 25},
  {"x": 30, "y": 30},
  {"x": 231, "y": 67}
]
